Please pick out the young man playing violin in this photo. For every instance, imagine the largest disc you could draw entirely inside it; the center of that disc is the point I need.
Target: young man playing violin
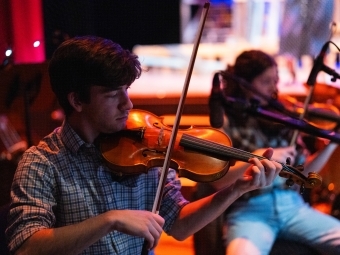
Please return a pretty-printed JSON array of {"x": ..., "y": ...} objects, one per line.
[{"x": 65, "y": 200}]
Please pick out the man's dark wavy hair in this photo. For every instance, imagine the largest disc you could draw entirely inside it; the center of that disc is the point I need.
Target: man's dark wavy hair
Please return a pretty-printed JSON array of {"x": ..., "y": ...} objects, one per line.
[{"x": 82, "y": 62}]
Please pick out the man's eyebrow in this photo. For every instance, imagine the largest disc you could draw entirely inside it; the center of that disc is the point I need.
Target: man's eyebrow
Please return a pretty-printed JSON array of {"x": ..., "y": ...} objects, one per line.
[{"x": 109, "y": 89}]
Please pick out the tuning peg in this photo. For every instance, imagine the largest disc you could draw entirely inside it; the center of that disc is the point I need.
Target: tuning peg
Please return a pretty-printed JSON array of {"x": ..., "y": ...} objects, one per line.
[
  {"x": 302, "y": 189},
  {"x": 290, "y": 182},
  {"x": 300, "y": 168}
]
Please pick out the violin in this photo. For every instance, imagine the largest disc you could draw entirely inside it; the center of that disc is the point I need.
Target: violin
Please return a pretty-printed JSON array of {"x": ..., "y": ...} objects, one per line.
[
  {"x": 200, "y": 154},
  {"x": 320, "y": 115}
]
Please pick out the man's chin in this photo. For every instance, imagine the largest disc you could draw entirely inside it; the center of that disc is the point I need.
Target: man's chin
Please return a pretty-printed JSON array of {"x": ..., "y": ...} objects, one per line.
[{"x": 119, "y": 127}]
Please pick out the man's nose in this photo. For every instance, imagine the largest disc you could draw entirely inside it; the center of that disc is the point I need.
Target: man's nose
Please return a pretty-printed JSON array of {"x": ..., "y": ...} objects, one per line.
[{"x": 125, "y": 102}]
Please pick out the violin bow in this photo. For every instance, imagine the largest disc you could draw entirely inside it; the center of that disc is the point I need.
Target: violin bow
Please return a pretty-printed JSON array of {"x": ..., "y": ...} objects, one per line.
[
  {"x": 166, "y": 164},
  {"x": 311, "y": 82},
  {"x": 303, "y": 113}
]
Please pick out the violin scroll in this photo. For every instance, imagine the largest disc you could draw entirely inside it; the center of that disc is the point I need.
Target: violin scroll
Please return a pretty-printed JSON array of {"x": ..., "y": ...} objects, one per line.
[{"x": 294, "y": 176}]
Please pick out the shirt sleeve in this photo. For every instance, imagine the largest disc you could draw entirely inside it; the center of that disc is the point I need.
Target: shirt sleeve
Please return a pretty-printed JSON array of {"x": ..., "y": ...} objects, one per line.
[
  {"x": 173, "y": 200},
  {"x": 32, "y": 200}
]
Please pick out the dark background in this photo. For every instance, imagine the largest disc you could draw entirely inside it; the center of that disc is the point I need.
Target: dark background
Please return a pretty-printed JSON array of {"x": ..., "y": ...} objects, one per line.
[{"x": 127, "y": 22}]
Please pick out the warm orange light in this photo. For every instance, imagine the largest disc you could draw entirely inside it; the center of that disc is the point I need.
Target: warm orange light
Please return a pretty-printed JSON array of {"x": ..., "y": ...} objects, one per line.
[{"x": 331, "y": 186}]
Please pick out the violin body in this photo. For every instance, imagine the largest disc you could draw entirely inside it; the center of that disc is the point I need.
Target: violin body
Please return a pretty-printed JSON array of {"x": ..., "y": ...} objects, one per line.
[
  {"x": 320, "y": 115},
  {"x": 199, "y": 154},
  {"x": 144, "y": 142}
]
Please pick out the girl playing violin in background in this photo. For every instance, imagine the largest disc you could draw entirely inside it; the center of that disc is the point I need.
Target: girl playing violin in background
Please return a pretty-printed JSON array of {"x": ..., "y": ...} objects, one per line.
[{"x": 255, "y": 220}]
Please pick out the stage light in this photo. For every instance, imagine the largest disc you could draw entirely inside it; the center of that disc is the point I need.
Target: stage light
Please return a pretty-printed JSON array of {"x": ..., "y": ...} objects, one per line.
[
  {"x": 36, "y": 44},
  {"x": 8, "y": 52}
]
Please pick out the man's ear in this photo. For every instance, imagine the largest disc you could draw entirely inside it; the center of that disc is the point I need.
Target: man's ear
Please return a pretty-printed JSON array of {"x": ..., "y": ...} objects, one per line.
[{"x": 73, "y": 99}]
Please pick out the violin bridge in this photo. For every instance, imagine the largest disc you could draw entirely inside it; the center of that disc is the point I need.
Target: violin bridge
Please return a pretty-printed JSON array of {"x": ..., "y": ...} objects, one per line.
[{"x": 160, "y": 136}]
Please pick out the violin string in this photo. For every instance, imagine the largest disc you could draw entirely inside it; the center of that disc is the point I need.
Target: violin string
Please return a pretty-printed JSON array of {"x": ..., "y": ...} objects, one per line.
[
  {"x": 231, "y": 151},
  {"x": 218, "y": 148}
]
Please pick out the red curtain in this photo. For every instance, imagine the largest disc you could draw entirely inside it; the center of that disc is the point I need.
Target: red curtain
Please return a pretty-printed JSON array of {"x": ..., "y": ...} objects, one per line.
[{"x": 21, "y": 26}]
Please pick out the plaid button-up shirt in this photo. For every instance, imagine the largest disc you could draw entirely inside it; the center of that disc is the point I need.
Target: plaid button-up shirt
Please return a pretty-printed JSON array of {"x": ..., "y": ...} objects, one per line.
[{"x": 64, "y": 181}]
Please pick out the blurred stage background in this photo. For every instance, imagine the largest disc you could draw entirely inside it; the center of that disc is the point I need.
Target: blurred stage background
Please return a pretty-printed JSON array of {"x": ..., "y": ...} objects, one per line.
[{"x": 161, "y": 34}]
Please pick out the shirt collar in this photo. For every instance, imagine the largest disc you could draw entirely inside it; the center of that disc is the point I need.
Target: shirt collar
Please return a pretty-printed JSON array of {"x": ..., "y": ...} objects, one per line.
[{"x": 70, "y": 138}]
